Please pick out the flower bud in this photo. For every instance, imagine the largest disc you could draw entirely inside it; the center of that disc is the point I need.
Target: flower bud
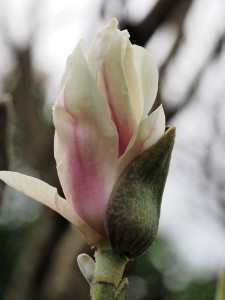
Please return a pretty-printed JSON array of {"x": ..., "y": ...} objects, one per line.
[{"x": 133, "y": 210}]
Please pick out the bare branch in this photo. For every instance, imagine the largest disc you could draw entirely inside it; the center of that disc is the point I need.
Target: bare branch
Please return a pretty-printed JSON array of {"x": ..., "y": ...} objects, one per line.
[{"x": 141, "y": 33}]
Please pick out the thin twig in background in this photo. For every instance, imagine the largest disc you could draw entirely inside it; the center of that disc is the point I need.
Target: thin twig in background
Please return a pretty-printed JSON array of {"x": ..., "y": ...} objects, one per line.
[{"x": 5, "y": 107}]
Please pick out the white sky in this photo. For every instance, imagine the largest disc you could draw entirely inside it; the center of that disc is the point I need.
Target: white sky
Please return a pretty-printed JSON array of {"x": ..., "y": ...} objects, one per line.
[{"x": 58, "y": 26}]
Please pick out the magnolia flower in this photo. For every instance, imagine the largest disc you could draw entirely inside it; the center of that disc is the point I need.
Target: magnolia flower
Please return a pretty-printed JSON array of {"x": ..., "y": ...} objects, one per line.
[{"x": 101, "y": 125}]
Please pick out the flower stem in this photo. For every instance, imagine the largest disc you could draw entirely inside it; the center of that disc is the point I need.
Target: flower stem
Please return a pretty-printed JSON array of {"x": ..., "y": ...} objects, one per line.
[{"x": 107, "y": 282}]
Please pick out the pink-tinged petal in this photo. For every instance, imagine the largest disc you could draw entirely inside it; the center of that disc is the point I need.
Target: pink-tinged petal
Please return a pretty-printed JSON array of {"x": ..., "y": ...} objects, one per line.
[
  {"x": 149, "y": 131},
  {"x": 147, "y": 77},
  {"x": 112, "y": 80},
  {"x": 46, "y": 194},
  {"x": 86, "y": 143}
]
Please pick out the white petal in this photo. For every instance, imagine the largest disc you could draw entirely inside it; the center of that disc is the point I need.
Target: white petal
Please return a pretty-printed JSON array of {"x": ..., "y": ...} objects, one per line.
[
  {"x": 113, "y": 83},
  {"x": 46, "y": 194},
  {"x": 100, "y": 46},
  {"x": 81, "y": 95},
  {"x": 148, "y": 77},
  {"x": 133, "y": 80},
  {"x": 149, "y": 131}
]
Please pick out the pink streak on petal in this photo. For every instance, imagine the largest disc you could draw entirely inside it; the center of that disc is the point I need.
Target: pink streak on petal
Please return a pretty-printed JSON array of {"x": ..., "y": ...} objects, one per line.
[
  {"x": 86, "y": 181},
  {"x": 89, "y": 193},
  {"x": 125, "y": 133}
]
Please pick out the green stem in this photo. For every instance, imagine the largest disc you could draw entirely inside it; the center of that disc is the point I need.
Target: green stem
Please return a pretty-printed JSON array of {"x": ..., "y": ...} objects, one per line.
[
  {"x": 220, "y": 293},
  {"x": 107, "y": 283}
]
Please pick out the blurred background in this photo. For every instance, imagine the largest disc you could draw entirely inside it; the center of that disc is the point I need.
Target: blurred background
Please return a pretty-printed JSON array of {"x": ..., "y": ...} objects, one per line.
[{"x": 38, "y": 248}]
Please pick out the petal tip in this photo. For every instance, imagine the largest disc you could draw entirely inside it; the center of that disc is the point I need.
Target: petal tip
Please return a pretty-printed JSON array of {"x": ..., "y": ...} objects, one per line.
[{"x": 113, "y": 23}]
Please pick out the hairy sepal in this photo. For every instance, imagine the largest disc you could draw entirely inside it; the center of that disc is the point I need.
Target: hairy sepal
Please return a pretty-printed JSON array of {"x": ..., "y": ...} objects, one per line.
[{"x": 133, "y": 210}]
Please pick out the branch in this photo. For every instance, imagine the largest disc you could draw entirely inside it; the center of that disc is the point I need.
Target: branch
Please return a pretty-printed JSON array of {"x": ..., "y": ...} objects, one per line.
[
  {"x": 5, "y": 106},
  {"x": 140, "y": 34}
]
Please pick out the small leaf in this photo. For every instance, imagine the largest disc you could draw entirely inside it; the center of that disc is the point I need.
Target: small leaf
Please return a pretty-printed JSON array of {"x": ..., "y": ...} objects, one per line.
[{"x": 87, "y": 266}]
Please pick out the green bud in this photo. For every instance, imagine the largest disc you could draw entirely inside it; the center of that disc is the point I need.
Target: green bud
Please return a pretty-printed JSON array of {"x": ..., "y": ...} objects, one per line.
[{"x": 132, "y": 214}]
